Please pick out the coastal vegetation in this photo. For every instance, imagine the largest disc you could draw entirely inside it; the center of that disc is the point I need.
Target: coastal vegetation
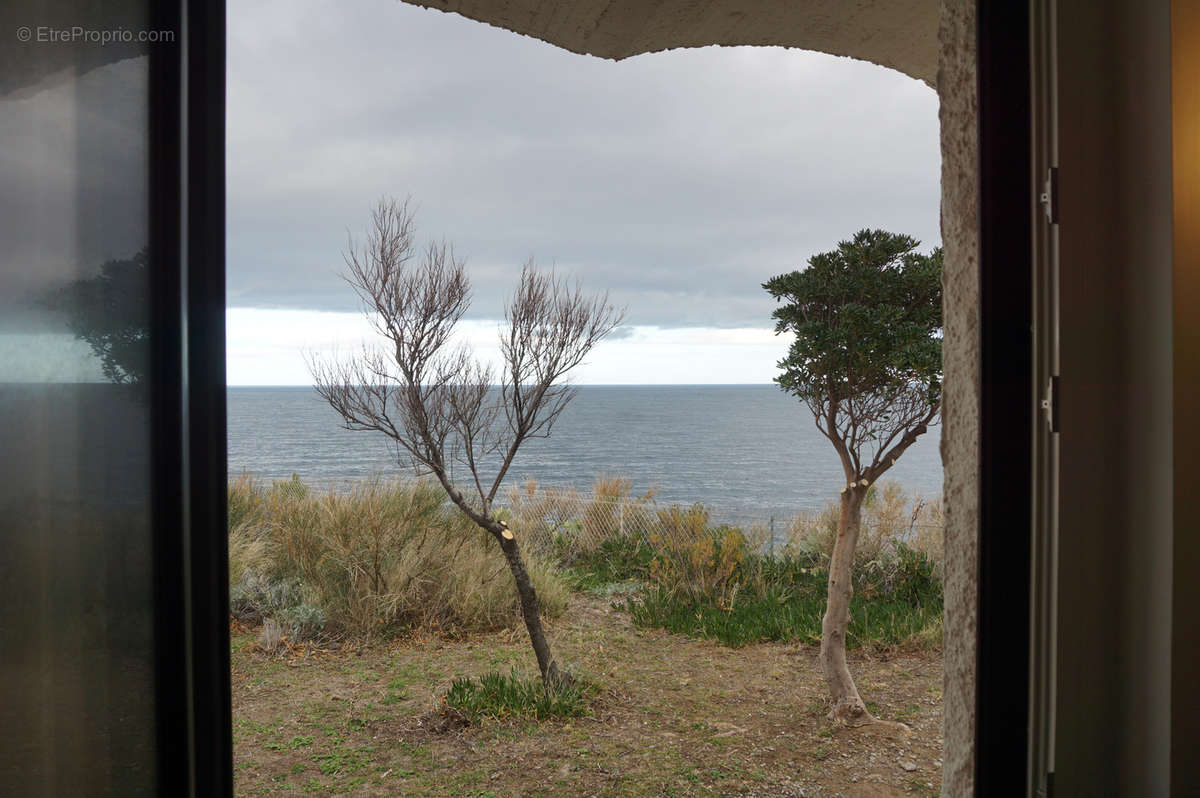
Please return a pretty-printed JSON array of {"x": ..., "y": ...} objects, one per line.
[
  {"x": 393, "y": 672},
  {"x": 393, "y": 559},
  {"x": 382, "y": 559}
]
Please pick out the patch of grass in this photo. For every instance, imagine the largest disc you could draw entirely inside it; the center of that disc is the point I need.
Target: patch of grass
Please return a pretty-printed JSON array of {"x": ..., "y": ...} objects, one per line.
[
  {"x": 613, "y": 561},
  {"x": 502, "y": 696},
  {"x": 344, "y": 761},
  {"x": 784, "y": 600}
]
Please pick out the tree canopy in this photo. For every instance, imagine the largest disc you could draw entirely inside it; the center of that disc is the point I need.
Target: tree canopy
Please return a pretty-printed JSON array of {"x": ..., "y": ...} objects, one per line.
[{"x": 867, "y": 356}]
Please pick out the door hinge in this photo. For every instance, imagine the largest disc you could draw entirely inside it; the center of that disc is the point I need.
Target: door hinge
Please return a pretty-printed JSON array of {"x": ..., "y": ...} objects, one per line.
[
  {"x": 1050, "y": 403},
  {"x": 1049, "y": 196}
]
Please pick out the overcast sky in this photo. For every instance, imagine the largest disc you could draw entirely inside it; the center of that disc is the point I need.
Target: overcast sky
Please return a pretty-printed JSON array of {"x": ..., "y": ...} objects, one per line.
[{"x": 677, "y": 181}]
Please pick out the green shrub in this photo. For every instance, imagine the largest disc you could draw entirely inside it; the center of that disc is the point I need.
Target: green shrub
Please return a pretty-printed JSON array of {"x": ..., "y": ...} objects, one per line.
[
  {"x": 559, "y": 522},
  {"x": 254, "y": 596},
  {"x": 778, "y": 615},
  {"x": 696, "y": 560},
  {"x": 501, "y": 696},
  {"x": 901, "y": 574},
  {"x": 304, "y": 621}
]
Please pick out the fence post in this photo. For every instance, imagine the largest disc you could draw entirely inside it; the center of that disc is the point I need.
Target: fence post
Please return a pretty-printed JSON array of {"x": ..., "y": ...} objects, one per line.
[
  {"x": 621, "y": 517},
  {"x": 772, "y": 537}
]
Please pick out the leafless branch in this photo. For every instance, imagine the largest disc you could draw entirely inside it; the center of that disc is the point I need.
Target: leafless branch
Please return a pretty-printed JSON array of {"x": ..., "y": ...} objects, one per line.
[{"x": 435, "y": 401}]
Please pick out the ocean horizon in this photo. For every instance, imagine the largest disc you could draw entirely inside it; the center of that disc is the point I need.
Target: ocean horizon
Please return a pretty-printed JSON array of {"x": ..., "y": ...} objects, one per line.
[{"x": 749, "y": 451}]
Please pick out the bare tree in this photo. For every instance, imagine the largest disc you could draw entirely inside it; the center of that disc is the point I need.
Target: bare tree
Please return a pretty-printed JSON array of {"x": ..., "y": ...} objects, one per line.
[{"x": 440, "y": 406}]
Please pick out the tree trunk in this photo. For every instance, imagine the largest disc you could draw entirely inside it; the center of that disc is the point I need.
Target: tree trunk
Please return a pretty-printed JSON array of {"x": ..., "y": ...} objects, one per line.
[
  {"x": 847, "y": 704},
  {"x": 531, "y": 612}
]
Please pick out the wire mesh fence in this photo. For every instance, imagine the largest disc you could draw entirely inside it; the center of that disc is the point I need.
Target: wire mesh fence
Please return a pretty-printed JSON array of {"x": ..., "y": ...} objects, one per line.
[{"x": 568, "y": 522}]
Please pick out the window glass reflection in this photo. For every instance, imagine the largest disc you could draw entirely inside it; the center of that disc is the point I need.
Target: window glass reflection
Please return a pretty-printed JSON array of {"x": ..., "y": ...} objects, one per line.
[{"x": 76, "y": 693}]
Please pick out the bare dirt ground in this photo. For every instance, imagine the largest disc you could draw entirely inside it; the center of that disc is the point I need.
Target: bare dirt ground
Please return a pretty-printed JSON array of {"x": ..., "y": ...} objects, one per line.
[{"x": 674, "y": 717}]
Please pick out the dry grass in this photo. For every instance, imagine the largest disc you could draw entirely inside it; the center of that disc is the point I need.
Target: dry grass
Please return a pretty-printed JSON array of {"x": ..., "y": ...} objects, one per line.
[
  {"x": 566, "y": 524},
  {"x": 889, "y": 516},
  {"x": 383, "y": 557},
  {"x": 674, "y": 716}
]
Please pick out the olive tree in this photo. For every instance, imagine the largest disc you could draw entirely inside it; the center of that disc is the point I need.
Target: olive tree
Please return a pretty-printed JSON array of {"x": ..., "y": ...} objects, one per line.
[
  {"x": 441, "y": 407},
  {"x": 867, "y": 361}
]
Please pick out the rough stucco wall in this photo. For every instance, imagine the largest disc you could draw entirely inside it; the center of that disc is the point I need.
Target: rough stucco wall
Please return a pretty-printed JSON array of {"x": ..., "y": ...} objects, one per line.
[
  {"x": 900, "y": 34},
  {"x": 960, "y": 412}
]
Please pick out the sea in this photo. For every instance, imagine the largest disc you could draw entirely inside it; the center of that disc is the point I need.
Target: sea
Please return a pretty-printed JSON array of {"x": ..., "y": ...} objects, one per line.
[{"x": 749, "y": 452}]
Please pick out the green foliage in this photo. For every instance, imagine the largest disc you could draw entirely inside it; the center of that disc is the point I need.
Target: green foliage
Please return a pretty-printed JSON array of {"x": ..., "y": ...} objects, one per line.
[
  {"x": 716, "y": 581},
  {"x": 684, "y": 553},
  {"x": 254, "y": 595},
  {"x": 562, "y": 523},
  {"x": 500, "y": 696},
  {"x": 616, "y": 559},
  {"x": 867, "y": 318},
  {"x": 783, "y": 599},
  {"x": 915, "y": 580}
]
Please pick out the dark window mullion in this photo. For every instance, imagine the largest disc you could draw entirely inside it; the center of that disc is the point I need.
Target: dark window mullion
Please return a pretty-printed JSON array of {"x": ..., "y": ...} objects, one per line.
[
  {"x": 188, "y": 399},
  {"x": 1006, "y": 363}
]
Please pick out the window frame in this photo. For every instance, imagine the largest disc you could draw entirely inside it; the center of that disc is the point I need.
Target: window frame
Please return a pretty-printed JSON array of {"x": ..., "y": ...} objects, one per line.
[
  {"x": 190, "y": 557},
  {"x": 1006, "y": 412},
  {"x": 190, "y": 553}
]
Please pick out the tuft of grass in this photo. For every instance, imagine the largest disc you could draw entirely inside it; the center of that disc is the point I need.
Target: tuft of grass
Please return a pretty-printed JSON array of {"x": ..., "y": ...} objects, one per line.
[
  {"x": 617, "y": 559},
  {"x": 502, "y": 696},
  {"x": 381, "y": 558}
]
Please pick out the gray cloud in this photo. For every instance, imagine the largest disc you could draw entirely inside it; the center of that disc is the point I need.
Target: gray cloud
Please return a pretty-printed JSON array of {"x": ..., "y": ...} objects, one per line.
[{"x": 678, "y": 181}]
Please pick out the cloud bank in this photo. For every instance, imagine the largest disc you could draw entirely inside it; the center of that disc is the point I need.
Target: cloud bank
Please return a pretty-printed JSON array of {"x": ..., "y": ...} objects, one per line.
[{"x": 677, "y": 181}]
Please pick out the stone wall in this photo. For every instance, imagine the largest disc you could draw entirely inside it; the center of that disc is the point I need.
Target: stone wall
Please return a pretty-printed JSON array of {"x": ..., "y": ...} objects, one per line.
[{"x": 957, "y": 92}]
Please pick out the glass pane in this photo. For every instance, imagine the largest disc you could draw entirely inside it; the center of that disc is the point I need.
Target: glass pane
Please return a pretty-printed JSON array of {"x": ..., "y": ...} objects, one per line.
[{"x": 76, "y": 665}]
